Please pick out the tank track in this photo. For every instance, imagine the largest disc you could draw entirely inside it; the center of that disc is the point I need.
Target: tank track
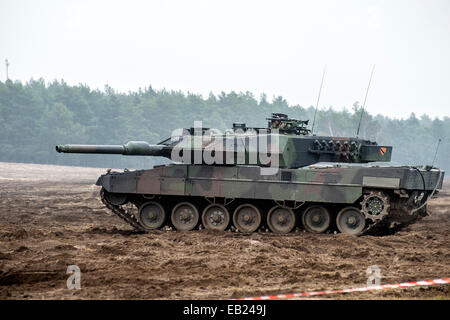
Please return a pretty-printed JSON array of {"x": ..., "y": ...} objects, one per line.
[
  {"x": 389, "y": 225},
  {"x": 395, "y": 221},
  {"x": 122, "y": 213}
]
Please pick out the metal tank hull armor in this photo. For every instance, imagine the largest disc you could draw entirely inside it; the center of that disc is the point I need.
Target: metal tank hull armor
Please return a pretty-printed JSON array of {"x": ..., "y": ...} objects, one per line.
[{"x": 315, "y": 185}]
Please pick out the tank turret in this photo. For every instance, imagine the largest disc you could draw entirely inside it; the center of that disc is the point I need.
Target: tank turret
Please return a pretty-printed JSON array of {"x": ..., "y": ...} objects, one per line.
[{"x": 286, "y": 141}]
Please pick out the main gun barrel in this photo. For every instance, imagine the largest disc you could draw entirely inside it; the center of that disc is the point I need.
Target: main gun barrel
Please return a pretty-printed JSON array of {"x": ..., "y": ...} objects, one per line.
[
  {"x": 85, "y": 148},
  {"x": 132, "y": 148}
]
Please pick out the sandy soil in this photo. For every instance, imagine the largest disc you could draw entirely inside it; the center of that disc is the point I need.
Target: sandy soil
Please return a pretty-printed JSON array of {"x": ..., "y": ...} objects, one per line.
[{"x": 51, "y": 217}]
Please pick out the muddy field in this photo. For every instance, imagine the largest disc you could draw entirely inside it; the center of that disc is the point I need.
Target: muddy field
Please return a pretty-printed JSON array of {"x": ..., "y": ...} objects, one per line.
[{"x": 51, "y": 217}]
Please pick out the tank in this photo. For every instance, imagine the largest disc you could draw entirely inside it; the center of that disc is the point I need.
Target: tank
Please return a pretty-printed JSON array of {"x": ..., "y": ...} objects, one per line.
[{"x": 279, "y": 178}]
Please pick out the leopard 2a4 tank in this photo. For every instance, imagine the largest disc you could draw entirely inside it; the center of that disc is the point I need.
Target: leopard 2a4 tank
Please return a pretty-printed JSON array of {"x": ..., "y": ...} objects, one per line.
[{"x": 275, "y": 178}]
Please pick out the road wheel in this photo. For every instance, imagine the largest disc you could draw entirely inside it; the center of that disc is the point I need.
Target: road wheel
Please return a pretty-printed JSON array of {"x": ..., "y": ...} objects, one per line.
[
  {"x": 216, "y": 217},
  {"x": 184, "y": 216},
  {"x": 350, "y": 220},
  {"x": 281, "y": 220},
  {"x": 316, "y": 219},
  {"x": 247, "y": 218},
  {"x": 151, "y": 215}
]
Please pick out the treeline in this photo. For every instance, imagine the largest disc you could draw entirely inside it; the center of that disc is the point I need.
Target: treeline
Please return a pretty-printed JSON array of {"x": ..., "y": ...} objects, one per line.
[{"x": 34, "y": 117}]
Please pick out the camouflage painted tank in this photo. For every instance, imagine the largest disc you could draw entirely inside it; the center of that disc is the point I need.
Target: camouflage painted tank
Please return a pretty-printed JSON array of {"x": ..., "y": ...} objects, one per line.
[{"x": 278, "y": 178}]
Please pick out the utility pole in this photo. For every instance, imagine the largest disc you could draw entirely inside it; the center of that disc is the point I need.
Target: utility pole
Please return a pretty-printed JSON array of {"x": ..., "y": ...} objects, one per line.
[{"x": 7, "y": 65}]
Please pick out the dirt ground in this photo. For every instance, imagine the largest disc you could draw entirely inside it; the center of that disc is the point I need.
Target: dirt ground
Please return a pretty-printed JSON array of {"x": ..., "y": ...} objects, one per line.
[{"x": 51, "y": 217}]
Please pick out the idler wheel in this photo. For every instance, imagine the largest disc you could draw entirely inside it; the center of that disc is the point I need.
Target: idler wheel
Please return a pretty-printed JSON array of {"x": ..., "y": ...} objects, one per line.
[
  {"x": 247, "y": 218},
  {"x": 151, "y": 215},
  {"x": 281, "y": 220},
  {"x": 116, "y": 199},
  {"x": 184, "y": 216},
  {"x": 350, "y": 220},
  {"x": 216, "y": 217},
  {"x": 316, "y": 219}
]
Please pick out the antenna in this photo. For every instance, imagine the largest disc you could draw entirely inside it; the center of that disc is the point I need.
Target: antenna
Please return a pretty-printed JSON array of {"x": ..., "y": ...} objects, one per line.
[
  {"x": 318, "y": 98},
  {"x": 364, "y": 104},
  {"x": 7, "y": 65},
  {"x": 435, "y": 154}
]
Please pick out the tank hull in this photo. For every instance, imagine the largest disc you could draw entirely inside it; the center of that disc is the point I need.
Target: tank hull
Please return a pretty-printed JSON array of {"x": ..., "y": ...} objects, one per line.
[
  {"x": 388, "y": 196},
  {"x": 327, "y": 184}
]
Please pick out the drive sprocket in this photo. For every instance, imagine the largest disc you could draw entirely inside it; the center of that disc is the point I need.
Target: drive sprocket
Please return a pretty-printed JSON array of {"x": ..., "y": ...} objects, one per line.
[{"x": 375, "y": 205}]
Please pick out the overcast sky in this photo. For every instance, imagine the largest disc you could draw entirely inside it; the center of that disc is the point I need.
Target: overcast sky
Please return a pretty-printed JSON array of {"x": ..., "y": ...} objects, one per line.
[{"x": 276, "y": 47}]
